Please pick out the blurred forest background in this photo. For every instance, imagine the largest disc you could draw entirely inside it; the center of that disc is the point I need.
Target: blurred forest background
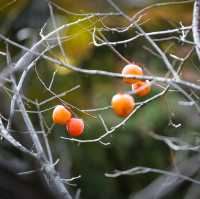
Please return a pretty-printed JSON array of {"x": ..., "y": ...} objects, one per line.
[{"x": 130, "y": 145}]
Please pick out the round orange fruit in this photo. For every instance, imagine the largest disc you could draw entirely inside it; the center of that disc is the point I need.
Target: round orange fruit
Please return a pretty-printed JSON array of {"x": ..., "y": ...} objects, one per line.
[
  {"x": 131, "y": 69},
  {"x": 61, "y": 115},
  {"x": 122, "y": 104},
  {"x": 142, "y": 88},
  {"x": 75, "y": 127}
]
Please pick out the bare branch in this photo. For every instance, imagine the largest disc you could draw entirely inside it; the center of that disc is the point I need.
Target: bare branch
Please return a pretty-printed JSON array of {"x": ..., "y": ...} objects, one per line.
[
  {"x": 195, "y": 26},
  {"x": 163, "y": 185},
  {"x": 109, "y": 132},
  {"x": 98, "y": 72},
  {"x": 4, "y": 133},
  {"x": 145, "y": 170}
]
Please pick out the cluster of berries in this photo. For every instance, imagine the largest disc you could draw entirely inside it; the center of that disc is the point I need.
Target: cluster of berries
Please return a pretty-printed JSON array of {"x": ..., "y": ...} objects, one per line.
[
  {"x": 122, "y": 103},
  {"x": 63, "y": 116}
]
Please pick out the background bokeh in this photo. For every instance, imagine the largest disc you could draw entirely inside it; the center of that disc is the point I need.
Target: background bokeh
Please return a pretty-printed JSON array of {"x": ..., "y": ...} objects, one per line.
[{"x": 130, "y": 145}]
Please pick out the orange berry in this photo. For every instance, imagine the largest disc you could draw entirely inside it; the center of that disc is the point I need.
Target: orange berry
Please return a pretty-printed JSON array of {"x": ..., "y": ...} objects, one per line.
[
  {"x": 131, "y": 69},
  {"x": 142, "y": 88},
  {"x": 61, "y": 115},
  {"x": 122, "y": 104},
  {"x": 75, "y": 127}
]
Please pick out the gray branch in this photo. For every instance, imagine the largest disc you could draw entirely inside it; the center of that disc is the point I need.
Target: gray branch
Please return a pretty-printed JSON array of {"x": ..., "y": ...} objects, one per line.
[
  {"x": 4, "y": 133},
  {"x": 195, "y": 26},
  {"x": 51, "y": 176},
  {"x": 164, "y": 185}
]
